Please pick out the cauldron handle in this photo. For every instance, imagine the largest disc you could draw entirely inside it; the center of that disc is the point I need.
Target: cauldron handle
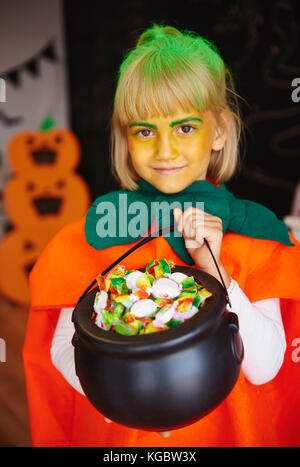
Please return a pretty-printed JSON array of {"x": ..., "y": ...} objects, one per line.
[{"x": 142, "y": 242}]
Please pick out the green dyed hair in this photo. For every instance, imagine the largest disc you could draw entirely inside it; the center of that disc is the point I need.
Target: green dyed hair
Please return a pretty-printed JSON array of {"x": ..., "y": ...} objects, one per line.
[{"x": 169, "y": 68}]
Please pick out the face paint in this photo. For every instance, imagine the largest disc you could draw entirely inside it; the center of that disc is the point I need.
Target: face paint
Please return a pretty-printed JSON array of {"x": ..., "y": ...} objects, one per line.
[{"x": 173, "y": 152}]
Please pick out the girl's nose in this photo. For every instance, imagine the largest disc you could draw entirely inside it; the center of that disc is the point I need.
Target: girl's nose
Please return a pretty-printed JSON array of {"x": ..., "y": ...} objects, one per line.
[{"x": 166, "y": 148}]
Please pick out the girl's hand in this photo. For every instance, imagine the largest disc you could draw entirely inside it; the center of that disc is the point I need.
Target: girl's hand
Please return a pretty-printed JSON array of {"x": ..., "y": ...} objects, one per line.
[
  {"x": 164, "y": 434},
  {"x": 194, "y": 225}
]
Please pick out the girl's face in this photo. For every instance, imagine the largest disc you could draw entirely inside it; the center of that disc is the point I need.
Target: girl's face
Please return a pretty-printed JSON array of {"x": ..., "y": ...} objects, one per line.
[{"x": 173, "y": 152}]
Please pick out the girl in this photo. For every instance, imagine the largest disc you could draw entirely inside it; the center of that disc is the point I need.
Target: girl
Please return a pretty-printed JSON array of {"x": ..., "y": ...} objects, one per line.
[{"x": 175, "y": 134}]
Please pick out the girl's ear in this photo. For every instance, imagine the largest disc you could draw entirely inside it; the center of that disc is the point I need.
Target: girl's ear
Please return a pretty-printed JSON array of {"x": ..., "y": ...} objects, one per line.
[{"x": 222, "y": 127}]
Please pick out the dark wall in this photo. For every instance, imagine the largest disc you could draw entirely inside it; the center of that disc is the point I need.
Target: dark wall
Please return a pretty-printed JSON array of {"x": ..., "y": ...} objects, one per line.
[{"x": 257, "y": 39}]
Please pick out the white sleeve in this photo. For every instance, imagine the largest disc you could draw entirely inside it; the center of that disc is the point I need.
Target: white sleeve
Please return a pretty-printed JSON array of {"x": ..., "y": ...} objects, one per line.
[
  {"x": 262, "y": 333},
  {"x": 62, "y": 350}
]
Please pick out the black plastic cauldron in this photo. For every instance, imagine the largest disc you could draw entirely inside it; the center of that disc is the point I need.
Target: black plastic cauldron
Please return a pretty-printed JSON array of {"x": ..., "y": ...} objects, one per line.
[{"x": 164, "y": 380}]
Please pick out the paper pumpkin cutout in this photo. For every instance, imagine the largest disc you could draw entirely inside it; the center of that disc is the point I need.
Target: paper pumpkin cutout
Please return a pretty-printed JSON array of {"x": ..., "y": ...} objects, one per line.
[
  {"x": 57, "y": 148},
  {"x": 18, "y": 252},
  {"x": 43, "y": 195},
  {"x": 45, "y": 199}
]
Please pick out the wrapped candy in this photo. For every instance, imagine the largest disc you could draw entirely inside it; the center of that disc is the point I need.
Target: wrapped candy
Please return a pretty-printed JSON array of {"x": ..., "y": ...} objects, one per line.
[
  {"x": 118, "y": 285},
  {"x": 165, "y": 288},
  {"x": 132, "y": 302}
]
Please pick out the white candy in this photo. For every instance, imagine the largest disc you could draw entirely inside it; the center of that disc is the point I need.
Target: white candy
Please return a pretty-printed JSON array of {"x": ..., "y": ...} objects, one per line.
[
  {"x": 166, "y": 313},
  {"x": 181, "y": 316},
  {"x": 158, "y": 324},
  {"x": 100, "y": 323},
  {"x": 131, "y": 279},
  {"x": 134, "y": 298},
  {"x": 165, "y": 288},
  {"x": 127, "y": 303},
  {"x": 144, "y": 307},
  {"x": 100, "y": 301},
  {"x": 178, "y": 276}
]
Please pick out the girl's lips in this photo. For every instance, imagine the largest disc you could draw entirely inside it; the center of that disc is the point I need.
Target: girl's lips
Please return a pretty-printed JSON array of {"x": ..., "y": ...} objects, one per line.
[{"x": 169, "y": 170}]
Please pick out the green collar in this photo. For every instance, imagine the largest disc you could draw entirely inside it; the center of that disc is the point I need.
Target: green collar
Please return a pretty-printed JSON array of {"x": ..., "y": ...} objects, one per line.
[
  {"x": 122, "y": 217},
  {"x": 200, "y": 186}
]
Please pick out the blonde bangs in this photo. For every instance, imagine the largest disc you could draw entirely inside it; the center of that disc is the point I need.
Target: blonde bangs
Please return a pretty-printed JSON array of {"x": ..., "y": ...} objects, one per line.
[{"x": 136, "y": 99}]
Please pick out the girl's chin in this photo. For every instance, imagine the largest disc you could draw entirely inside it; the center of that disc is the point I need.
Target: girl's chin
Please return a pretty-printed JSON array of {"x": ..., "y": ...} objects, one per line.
[{"x": 170, "y": 187}]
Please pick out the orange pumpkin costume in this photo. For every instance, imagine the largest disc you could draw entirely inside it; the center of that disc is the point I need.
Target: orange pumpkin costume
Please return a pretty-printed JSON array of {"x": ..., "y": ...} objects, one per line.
[{"x": 267, "y": 415}]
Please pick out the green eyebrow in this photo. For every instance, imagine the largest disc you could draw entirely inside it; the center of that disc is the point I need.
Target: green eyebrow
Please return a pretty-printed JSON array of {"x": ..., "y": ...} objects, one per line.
[
  {"x": 172, "y": 124},
  {"x": 149, "y": 125},
  {"x": 185, "y": 120}
]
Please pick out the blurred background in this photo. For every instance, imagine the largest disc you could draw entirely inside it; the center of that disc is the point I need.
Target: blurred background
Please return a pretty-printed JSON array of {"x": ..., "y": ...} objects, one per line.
[{"x": 58, "y": 67}]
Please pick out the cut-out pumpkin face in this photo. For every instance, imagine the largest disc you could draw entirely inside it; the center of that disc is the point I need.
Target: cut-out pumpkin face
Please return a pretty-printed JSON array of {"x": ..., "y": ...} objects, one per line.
[
  {"x": 45, "y": 199},
  {"x": 18, "y": 252},
  {"x": 57, "y": 148}
]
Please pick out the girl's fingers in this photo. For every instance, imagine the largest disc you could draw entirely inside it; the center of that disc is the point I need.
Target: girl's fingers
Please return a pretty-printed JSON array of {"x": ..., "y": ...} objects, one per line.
[
  {"x": 107, "y": 420},
  {"x": 178, "y": 218},
  {"x": 184, "y": 225},
  {"x": 192, "y": 219},
  {"x": 196, "y": 224},
  {"x": 200, "y": 215}
]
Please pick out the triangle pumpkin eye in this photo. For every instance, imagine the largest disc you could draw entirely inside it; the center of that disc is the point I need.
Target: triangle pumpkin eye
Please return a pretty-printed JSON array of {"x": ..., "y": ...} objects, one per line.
[
  {"x": 30, "y": 186},
  {"x": 58, "y": 139},
  {"x": 30, "y": 140},
  {"x": 61, "y": 184},
  {"x": 28, "y": 245}
]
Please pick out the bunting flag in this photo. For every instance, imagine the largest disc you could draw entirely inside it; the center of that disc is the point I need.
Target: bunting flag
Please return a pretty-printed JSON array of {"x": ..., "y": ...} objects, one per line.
[{"x": 32, "y": 65}]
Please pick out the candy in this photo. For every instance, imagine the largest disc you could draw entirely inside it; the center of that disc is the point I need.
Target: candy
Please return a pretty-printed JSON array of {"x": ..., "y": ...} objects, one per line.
[
  {"x": 172, "y": 323},
  {"x": 162, "y": 269},
  {"x": 165, "y": 314},
  {"x": 178, "y": 277},
  {"x": 161, "y": 302},
  {"x": 165, "y": 288},
  {"x": 151, "y": 328},
  {"x": 117, "y": 311},
  {"x": 150, "y": 266},
  {"x": 118, "y": 270},
  {"x": 124, "y": 329},
  {"x": 182, "y": 316},
  {"x": 136, "y": 326},
  {"x": 122, "y": 298},
  {"x": 188, "y": 282},
  {"x": 103, "y": 320},
  {"x": 103, "y": 283},
  {"x": 188, "y": 293},
  {"x": 132, "y": 278},
  {"x": 142, "y": 293},
  {"x": 128, "y": 317},
  {"x": 100, "y": 301},
  {"x": 159, "y": 268},
  {"x": 144, "y": 307},
  {"x": 135, "y": 303},
  {"x": 184, "y": 305},
  {"x": 145, "y": 281},
  {"x": 118, "y": 285},
  {"x": 130, "y": 320}
]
